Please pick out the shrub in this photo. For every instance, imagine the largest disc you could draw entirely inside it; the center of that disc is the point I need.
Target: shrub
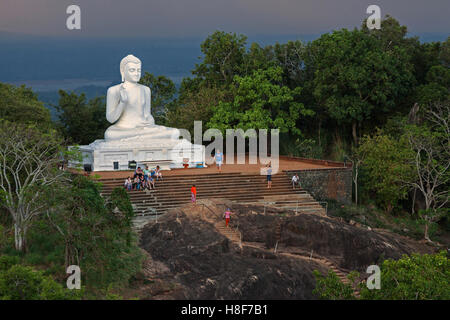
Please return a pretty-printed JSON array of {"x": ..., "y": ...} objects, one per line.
[
  {"x": 7, "y": 262},
  {"x": 23, "y": 283},
  {"x": 330, "y": 287}
]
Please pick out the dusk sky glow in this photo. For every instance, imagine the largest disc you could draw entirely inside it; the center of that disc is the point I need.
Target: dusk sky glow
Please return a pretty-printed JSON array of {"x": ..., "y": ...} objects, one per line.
[{"x": 192, "y": 18}]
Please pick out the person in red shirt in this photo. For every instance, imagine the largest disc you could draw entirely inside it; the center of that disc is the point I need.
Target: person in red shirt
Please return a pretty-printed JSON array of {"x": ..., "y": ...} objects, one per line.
[{"x": 193, "y": 194}]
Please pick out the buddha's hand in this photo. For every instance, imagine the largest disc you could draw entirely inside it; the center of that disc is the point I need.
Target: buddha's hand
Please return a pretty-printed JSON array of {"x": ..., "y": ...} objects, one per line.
[
  {"x": 123, "y": 95},
  {"x": 150, "y": 120}
]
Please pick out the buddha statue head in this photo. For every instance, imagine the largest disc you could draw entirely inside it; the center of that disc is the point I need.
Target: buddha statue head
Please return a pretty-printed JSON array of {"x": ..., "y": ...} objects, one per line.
[{"x": 130, "y": 68}]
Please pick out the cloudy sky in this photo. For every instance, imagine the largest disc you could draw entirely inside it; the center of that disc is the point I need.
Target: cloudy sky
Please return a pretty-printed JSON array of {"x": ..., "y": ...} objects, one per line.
[{"x": 180, "y": 18}]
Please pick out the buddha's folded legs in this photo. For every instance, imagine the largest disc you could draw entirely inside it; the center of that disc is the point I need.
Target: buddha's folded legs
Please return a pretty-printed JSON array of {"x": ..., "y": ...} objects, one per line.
[{"x": 115, "y": 132}]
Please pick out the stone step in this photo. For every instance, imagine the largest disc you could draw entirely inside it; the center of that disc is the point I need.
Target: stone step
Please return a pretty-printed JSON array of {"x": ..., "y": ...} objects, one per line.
[
  {"x": 200, "y": 181},
  {"x": 174, "y": 191},
  {"x": 185, "y": 194},
  {"x": 216, "y": 184}
]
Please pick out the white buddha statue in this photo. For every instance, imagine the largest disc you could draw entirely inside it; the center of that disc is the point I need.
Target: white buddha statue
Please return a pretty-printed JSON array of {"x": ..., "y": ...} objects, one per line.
[{"x": 128, "y": 107}]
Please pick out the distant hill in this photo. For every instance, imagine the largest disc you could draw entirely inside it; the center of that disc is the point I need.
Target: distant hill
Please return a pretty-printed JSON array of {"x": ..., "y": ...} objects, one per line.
[{"x": 47, "y": 64}]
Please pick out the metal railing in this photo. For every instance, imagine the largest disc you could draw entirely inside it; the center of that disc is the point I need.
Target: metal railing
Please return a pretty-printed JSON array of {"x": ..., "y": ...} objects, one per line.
[
  {"x": 236, "y": 229},
  {"x": 326, "y": 206},
  {"x": 323, "y": 204}
]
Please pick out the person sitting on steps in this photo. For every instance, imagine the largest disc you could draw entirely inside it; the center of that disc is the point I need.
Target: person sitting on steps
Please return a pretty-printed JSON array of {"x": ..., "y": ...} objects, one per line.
[
  {"x": 128, "y": 184},
  {"x": 151, "y": 183},
  {"x": 158, "y": 173},
  {"x": 295, "y": 181}
]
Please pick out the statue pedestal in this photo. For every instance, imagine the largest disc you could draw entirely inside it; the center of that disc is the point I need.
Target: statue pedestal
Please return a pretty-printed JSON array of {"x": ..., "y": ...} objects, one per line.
[{"x": 115, "y": 155}]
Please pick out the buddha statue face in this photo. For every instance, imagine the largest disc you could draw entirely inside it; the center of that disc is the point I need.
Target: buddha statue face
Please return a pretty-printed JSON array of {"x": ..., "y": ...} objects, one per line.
[
  {"x": 132, "y": 72},
  {"x": 130, "y": 69}
]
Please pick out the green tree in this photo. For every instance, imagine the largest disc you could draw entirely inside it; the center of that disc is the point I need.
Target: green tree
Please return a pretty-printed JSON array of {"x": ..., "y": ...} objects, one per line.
[
  {"x": 430, "y": 143},
  {"x": 260, "y": 102},
  {"x": 290, "y": 57},
  {"x": 437, "y": 87},
  {"x": 195, "y": 106},
  {"x": 387, "y": 166},
  {"x": 354, "y": 77},
  {"x": 80, "y": 121},
  {"x": 96, "y": 233},
  {"x": 444, "y": 54},
  {"x": 29, "y": 162},
  {"x": 415, "y": 277},
  {"x": 258, "y": 57},
  {"x": 223, "y": 58},
  {"x": 162, "y": 94},
  {"x": 23, "y": 283},
  {"x": 20, "y": 104},
  {"x": 330, "y": 287}
]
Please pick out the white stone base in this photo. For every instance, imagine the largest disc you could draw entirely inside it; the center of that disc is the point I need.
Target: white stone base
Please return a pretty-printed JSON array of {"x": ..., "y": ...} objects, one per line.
[{"x": 101, "y": 155}]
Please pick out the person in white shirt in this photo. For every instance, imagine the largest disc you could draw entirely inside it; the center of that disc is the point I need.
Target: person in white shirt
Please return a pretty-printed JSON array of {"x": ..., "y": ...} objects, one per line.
[
  {"x": 158, "y": 173},
  {"x": 128, "y": 184},
  {"x": 295, "y": 181}
]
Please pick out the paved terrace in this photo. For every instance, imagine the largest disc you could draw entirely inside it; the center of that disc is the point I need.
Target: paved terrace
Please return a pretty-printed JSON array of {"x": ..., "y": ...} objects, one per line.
[{"x": 285, "y": 164}]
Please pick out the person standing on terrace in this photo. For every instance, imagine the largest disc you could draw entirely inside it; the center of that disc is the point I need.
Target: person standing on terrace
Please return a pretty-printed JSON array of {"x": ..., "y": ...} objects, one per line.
[{"x": 218, "y": 157}]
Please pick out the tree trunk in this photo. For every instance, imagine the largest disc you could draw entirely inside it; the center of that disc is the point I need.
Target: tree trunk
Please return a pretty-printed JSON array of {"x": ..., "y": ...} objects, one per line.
[
  {"x": 356, "y": 192},
  {"x": 427, "y": 208},
  {"x": 414, "y": 201},
  {"x": 355, "y": 136},
  {"x": 426, "y": 231},
  {"x": 19, "y": 237},
  {"x": 320, "y": 125}
]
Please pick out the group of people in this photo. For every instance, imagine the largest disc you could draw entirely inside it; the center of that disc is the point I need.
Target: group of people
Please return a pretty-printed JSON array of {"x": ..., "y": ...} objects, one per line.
[{"x": 143, "y": 179}]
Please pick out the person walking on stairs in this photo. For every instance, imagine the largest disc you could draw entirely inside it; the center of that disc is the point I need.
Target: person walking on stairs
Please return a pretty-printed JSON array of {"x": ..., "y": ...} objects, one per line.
[
  {"x": 227, "y": 216},
  {"x": 269, "y": 176},
  {"x": 193, "y": 194}
]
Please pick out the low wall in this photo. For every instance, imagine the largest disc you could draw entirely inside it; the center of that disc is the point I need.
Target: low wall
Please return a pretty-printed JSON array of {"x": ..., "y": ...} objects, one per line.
[
  {"x": 324, "y": 184},
  {"x": 329, "y": 163}
]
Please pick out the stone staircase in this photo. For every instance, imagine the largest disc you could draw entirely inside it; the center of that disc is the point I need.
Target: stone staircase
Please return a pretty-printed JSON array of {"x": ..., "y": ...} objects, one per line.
[
  {"x": 235, "y": 236},
  {"x": 174, "y": 191}
]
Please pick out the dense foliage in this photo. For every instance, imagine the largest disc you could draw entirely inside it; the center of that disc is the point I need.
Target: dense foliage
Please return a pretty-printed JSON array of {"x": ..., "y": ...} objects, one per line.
[
  {"x": 20, "y": 104},
  {"x": 19, "y": 282},
  {"x": 80, "y": 121},
  {"x": 415, "y": 277}
]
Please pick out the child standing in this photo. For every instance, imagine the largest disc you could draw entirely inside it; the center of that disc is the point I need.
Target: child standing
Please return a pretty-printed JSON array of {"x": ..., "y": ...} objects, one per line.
[
  {"x": 218, "y": 158},
  {"x": 227, "y": 217},
  {"x": 269, "y": 176},
  {"x": 193, "y": 194}
]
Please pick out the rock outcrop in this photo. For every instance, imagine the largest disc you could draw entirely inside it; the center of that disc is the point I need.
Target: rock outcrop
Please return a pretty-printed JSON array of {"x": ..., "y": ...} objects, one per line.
[{"x": 273, "y": 258}]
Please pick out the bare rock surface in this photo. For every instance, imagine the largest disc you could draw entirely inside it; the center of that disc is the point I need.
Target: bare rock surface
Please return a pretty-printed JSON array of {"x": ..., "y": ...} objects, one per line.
[{"x": 190, "y": 251}]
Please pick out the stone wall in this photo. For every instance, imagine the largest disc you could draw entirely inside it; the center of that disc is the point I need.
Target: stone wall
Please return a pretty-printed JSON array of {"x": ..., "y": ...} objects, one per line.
[{"x": 324, "y": 184}]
